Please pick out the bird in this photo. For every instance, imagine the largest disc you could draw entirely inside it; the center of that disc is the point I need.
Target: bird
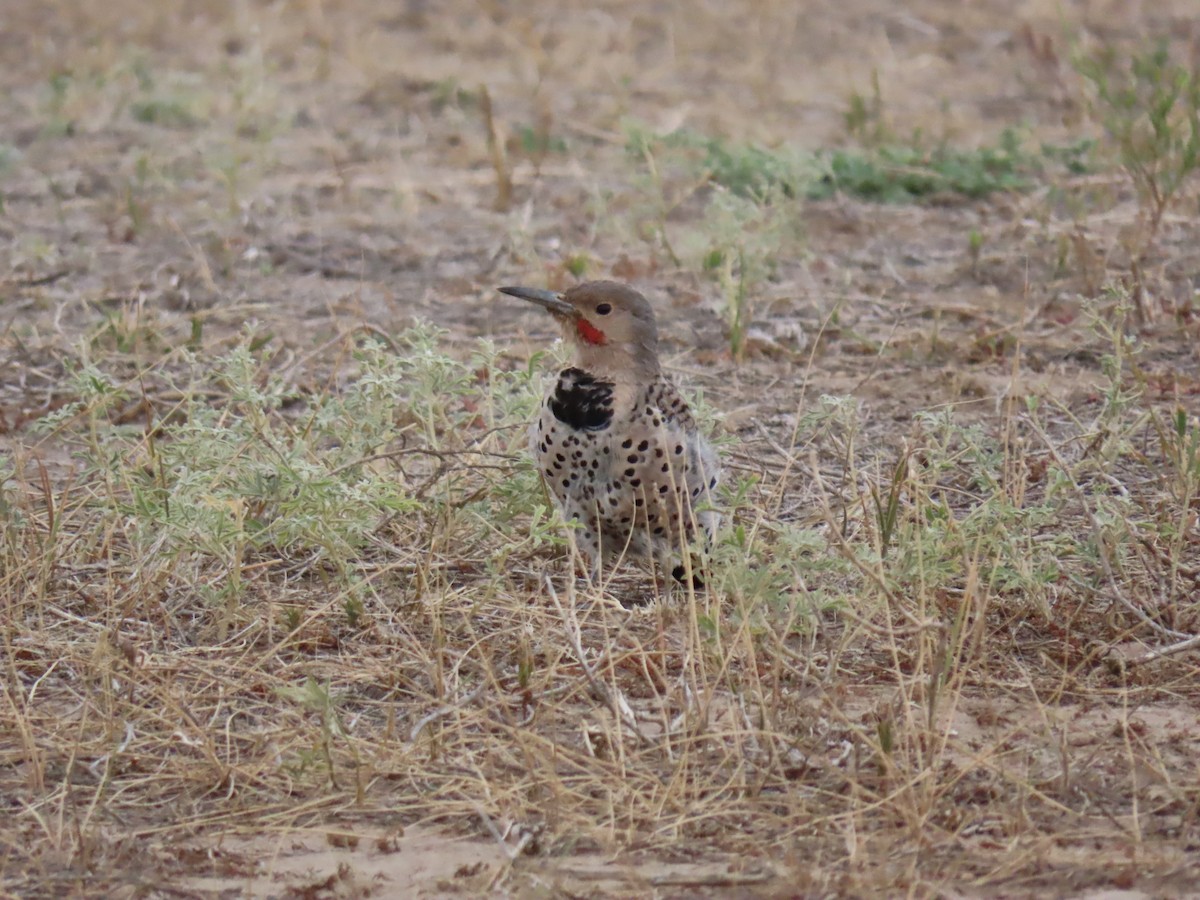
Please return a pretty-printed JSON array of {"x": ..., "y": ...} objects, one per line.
[{"x": 614, "y": 439}]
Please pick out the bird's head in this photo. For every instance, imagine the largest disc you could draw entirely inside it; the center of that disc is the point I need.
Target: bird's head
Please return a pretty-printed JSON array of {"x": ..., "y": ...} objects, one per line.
[{"x": 610, "y": 324}]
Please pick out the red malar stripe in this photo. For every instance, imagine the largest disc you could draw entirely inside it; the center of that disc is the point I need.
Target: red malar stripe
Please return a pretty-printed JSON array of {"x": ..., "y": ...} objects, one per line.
[{"x": 590, "y": 332}]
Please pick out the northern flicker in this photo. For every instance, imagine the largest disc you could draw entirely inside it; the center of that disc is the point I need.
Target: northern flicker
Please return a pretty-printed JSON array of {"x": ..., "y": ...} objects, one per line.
[{"x": 614, "y": 439}]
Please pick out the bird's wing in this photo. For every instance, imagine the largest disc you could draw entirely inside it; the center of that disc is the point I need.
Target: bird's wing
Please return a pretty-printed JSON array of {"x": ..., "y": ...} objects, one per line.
[{"x": 670, "y": 403}]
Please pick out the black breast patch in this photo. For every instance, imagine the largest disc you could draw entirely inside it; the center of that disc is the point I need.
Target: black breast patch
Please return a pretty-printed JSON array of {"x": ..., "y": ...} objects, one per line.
[{"x": 582, "y": 401}]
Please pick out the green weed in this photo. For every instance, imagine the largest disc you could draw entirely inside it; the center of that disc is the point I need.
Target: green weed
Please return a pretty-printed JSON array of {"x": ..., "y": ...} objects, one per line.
[
  {"x": 578, "y": 264},
  {"x": 450, "y": 92},
  {"x": 746, "y": 235},
  {"x": 750, "y": 216},
  {"x": 270, "y": 473},
  {"x": 743, "y": 169},
  {"x": 318, "y": 699},
  {"x": 168, "y": 112},
  {"x": 864, "y": 119},
  {"x": 60, "y": 105},
  {"x": 910, "y": 173},
  {"x": 1149, "y": 106},
  {"x": 536, "y": 142},
  {"x": 752, "y": 196},
  {"x": 888, "y": 172}
]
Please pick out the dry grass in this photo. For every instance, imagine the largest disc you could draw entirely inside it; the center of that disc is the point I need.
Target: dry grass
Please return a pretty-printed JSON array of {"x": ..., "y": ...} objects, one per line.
[{"x": 276, "y": 572}]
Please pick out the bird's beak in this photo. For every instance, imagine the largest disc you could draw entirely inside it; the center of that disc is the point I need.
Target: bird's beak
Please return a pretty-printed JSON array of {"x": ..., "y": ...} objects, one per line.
[{"x": 548, "y": 300}]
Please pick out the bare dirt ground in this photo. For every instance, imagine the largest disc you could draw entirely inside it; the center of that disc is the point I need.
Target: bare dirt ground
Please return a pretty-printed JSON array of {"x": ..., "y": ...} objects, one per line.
[{"x": 185, "y": 174}]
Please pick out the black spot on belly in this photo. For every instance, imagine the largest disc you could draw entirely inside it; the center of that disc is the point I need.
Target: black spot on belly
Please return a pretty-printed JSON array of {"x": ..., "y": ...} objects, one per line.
[{"x": 582, "y": 401}]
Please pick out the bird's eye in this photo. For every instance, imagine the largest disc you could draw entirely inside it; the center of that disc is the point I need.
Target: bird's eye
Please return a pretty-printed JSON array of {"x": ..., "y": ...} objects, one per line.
[{"x": 603, "y": 309}]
